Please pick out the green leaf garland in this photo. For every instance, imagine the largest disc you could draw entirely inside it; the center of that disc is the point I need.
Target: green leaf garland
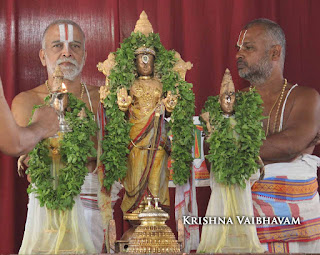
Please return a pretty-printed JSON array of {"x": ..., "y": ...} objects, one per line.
[
  {"x": 116, "y": 141},
  {"x": 76, "y": 147},
  {"x": 234, "y": 160}
]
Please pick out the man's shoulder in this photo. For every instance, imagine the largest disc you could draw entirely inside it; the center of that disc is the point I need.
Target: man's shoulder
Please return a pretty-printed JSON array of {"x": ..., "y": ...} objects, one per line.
[
  {"x": 31, "y": 96},
  {"x": 304, "y": 100},
  {"x": 24, "y": 102},
  {"x": 304, "y": 93},
  {"x": 25, "y": 95},
  {"x": 92, "y": 88},
  {"x": 94, "y": 91},
  {"x": 305, "y": 89}
]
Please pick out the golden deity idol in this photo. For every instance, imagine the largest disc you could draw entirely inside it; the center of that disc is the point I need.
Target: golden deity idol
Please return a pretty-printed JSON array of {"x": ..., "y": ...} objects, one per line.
[
  {"x": 147, "y": 163},
  {"x": 135, "y": 79},
  {"x": 146, "y": 107}
]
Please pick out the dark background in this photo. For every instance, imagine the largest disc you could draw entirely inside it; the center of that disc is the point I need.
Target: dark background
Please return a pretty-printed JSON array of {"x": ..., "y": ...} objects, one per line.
[{"x": 203, "y": 32}]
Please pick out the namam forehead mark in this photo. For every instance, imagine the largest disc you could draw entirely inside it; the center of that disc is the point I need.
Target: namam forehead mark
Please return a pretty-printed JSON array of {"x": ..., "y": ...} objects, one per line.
[
  {"x": 64, "y": 33},
  {"x": 241, "y": 38},
  {"x": 253, "y": 35}
]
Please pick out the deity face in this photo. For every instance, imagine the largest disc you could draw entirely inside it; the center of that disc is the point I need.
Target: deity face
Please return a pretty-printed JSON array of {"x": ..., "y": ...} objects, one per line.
[
  {"x": 64, "y": 46},
  {"x": 227, "y": 100},
  {"x": 253, "y": 58},
  {"x": 145, "y": 64}
]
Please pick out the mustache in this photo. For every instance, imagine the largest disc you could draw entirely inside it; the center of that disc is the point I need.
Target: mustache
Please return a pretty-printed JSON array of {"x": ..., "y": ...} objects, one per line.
[
  {"x": 242, "y": 62},
  {"x": 66, "y": 60}
]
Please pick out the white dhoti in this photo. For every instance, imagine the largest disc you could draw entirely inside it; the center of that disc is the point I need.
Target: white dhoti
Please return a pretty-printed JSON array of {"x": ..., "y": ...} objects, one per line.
[
  {"x": 89, "y": 199},
  {"x": 224, "y": 234},
  {"x": 55, "y": 232},
  {"x": 289, "y": 190}
]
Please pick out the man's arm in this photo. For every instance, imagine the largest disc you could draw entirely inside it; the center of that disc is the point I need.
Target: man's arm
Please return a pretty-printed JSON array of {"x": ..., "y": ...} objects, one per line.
[
  {"x": 301, "y": 128},
  {"x": 16, "y": 140}
]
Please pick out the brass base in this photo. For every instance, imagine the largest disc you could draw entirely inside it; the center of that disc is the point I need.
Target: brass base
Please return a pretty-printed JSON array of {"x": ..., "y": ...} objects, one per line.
[
  {"x": 153, "y": 239},
  {"x": 153, "y": 235}
]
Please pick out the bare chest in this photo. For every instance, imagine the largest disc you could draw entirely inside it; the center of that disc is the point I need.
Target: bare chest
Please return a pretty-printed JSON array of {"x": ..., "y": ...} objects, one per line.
[{"x": 276, "y": 109}]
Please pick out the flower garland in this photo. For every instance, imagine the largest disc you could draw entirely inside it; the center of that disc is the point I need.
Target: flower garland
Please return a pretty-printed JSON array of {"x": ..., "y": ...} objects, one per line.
[
  {"x": 117, "y": 139},
  {"x": 234, "y": 160},
  {"x": 75, "y": 148}
]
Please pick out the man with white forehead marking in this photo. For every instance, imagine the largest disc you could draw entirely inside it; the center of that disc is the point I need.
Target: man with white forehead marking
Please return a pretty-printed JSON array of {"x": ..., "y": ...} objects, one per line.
[
  {"x": 292, "y": 126},
  {"x": 63, "y": 45}
]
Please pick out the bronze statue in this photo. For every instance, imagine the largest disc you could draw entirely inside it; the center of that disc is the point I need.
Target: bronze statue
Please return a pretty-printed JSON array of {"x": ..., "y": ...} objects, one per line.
[
  {"x": 147, "y": 161},
  {"x": 146, "y": 102},
  {"x": 228, "y": 200}
]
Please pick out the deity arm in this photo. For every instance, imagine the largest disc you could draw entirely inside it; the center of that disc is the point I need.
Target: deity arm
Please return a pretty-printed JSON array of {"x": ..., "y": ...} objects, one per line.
[
  {"x": 170, "y": 102},
  {"x": 104, "y": 92},
  {"x": 206, "y": 117},
  {"x": 300, "y": 130},
  {"x": 124, "y": 101},
  {"x": 206, "y": 147}
]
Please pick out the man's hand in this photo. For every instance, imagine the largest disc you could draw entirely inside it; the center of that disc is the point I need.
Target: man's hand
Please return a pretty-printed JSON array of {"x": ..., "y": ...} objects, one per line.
[
  {"x": 17, "y": 140},
  {"x": 123, "y": 99},
  {"x": 46, "y": 118},
  {"x": 21, "y": 165}
]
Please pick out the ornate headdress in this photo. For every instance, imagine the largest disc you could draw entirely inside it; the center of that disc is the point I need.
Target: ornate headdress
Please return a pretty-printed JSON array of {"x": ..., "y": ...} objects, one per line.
[
  {"x": 57, "y": 79},
  {"x": 58, "y": 73},
  {"x": 145, "y": 50},
  {"x": 227, "y": 84},
  {"x": 143, "y": 25}
]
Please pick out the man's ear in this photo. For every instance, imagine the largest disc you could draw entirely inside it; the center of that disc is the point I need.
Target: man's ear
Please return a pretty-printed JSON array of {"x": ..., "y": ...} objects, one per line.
[
  {"x": 276, "y": 52},
  {"x": 42, "y": 57}
]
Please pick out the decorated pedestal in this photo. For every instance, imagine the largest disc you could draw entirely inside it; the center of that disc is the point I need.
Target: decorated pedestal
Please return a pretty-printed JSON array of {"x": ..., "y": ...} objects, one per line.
[{"x": 153, "y": 235}]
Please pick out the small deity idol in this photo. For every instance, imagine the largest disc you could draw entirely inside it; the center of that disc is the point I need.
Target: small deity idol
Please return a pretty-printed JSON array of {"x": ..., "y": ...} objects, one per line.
[{"x": 228, "y": 200}]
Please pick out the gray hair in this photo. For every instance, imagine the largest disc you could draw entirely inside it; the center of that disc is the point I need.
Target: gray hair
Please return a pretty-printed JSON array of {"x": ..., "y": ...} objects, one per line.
[
  {"x": 274, "y": 33},
  {"x": 58, "y": 22}
]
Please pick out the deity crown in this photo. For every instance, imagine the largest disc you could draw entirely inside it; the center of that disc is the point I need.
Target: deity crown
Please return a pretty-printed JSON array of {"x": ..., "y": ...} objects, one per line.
[
  {"x": 145, "y": 50},
  {"x": 143, "y": 25},
  {"x": 227, "y": 84},
  {"x": 57, "y": 72}
]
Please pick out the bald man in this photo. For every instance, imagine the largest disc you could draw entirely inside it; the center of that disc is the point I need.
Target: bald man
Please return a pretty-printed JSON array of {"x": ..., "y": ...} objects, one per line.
[
  {"x": 289, "y": 189},
  {"x": 16, "y": 140},
  {"x": 63, "y": 44}
]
